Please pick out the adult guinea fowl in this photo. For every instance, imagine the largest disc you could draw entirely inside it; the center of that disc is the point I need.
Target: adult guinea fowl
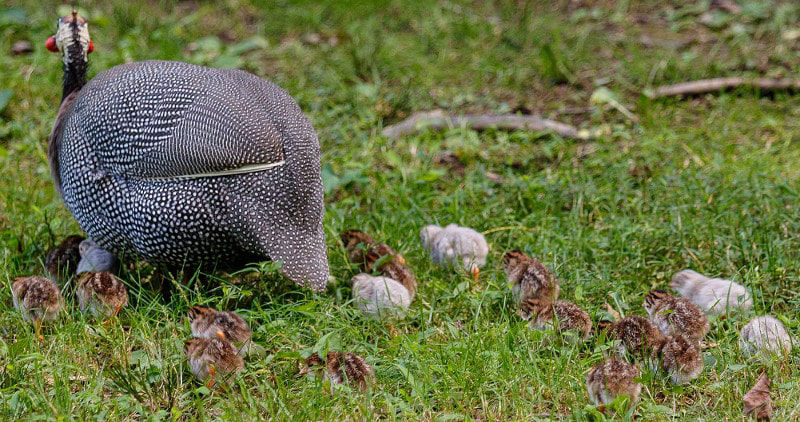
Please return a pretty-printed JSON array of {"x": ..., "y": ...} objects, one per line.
[{"x": 186, "y": 164}]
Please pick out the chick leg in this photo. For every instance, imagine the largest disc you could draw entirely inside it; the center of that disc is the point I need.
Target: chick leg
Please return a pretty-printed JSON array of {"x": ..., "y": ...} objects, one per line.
[
  {"x": 211, "y": 372},
  {"x": 37, "y": 324},
  {"x": 476, "y": 273}
]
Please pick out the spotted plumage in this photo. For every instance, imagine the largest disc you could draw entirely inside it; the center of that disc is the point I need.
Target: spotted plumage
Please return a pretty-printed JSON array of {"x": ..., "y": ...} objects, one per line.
[
  {"x": 673, "y": 315},
  {"x": 185, "y": 164},
  {"x": 36, "y": 298},
  {"x": 209, "y": 322},
  {"x": 212, "y": 358},
  {"x": 637, "y": 336},
  {"x": 611, "y": 378},
  {"x": 62, "y": 261},
  {"x": 681, "y": 358},
  {"x": 339, "y": 368},
  {"x": 560, "y": 315},
  {"x": 529, "y": 278},
  {"x": 101, "y": 294}
]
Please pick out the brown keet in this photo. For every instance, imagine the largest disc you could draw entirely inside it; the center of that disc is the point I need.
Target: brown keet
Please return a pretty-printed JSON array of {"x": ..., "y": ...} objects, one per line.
[
  {"x": 62, "y": 261},
  {"x": 209, "y": 357},
  {"x": 560, "y": 315},
  {"x": 611, "y": 378},
  {"x": 681, "y": 358},
  {"x": 208, "y": 323},
  {"x": 37, "y": 299},
  {"x": 530, "y": 278},
  {"x": 637, "y": 336},
  {"x": 339, "y": 368},
  {"x": 675, "y": 315},
  {"x": 101, "y": 294},
  {"x": 362, "y": 249}
]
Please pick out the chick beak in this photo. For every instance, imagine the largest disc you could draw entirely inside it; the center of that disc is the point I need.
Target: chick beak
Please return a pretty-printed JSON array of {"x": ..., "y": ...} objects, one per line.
[
  {"x": 220, "y": 335},
  {"x": 476, "y": 273},
  {"x": 400, "y": 260}
]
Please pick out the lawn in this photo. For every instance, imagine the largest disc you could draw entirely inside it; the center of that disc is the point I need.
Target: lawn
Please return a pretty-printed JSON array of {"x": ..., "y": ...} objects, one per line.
[{"x": 708, "y": 183}]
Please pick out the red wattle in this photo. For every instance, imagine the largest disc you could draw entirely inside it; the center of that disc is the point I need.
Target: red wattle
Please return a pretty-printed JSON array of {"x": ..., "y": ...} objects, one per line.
[
  {"x": 91, "y": 46},
  {"x": 50, "y": 44}
]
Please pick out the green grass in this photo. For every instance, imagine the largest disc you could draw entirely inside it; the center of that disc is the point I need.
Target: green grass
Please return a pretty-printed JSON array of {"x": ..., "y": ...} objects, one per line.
[{"x": 708, "y": 183}]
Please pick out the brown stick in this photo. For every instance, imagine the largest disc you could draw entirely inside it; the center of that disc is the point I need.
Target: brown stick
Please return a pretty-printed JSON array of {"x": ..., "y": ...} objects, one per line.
[
  {"x": 438, "y": 120},
  {"x": 706, "y": 86}
]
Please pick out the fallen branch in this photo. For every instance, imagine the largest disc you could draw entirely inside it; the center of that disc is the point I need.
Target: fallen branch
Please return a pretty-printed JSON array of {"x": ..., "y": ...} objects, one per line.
[
  {"x": 438, "y": 120},
  {"x": 706, "y": 86}
]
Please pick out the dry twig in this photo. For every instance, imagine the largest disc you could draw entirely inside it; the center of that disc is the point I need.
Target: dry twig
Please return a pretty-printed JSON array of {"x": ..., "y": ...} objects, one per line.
[
  {"x": 438, "y": 120},
  {"x": 706, "y": 86}
]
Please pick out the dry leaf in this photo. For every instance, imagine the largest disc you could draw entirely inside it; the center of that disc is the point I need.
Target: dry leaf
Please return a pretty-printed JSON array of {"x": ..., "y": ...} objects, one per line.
[{"x": 757, "y": 402}]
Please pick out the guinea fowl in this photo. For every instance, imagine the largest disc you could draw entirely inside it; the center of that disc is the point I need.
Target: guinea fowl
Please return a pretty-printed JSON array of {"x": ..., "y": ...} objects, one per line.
[
  {"x": 95, "y": 258},
  {"x": 62, "y": 261},
  {"x": 38, "y": 299},
  {"x": 672, "y": 314},
  {"x": 765, "y": 335},
  {"x": 209, "y": 322},
  {"x": 713, "y": 295},
  {"x": 560, "y": 315},
  {"x": 611, "y": 378},
  {"x": 637, "y": 336},
  {"x": 378, "y": 296},
  {"x": 456, "y": 246},
  {"x": 365, "y": 251},
  {"x": 339, "y": 367},
  {"x": 529, "y": 278},
  {"x": 681, "y": 358},
  {"x": 211, "y": 356},
  {"x": 101, "y": 294},
  {"x": 185, "y": 164}
]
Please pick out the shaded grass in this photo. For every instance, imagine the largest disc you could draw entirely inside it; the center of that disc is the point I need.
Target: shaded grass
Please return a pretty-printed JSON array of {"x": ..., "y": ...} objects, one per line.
[{"x": 707, "y": 183}]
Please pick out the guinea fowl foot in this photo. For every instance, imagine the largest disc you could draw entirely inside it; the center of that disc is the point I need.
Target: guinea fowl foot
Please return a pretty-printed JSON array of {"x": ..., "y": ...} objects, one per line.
[
  {"x": 37, "y": 323},
  {"x": 211, "y": 372},
  {"x": 113, "y": 315},
  {"x": 476, "y": 273}
]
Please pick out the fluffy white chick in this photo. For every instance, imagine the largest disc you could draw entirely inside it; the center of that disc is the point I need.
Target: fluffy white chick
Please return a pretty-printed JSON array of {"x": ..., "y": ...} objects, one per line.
[
  {"x": 714, "y": 295},
  {"x": 456, "y": 246},
  {"x": 765, "y": 334},
  {"x": 378, "y": 296}
]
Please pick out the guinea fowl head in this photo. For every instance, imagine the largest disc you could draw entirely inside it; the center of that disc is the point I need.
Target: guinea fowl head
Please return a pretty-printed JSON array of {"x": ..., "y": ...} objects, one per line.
[
  {"x": 513, "y": 258},
  {"x": 654, "y": 299},
  {"x": 73, "y": 42}
]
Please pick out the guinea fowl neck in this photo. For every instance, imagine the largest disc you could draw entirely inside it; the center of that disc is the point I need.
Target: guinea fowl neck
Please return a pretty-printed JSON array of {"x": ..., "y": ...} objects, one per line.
[{"x": 74, "y": 70}]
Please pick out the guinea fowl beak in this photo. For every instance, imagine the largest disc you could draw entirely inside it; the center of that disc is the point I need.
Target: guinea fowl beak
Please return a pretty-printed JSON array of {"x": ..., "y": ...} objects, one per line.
[{"x": 476, "y": 273}]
